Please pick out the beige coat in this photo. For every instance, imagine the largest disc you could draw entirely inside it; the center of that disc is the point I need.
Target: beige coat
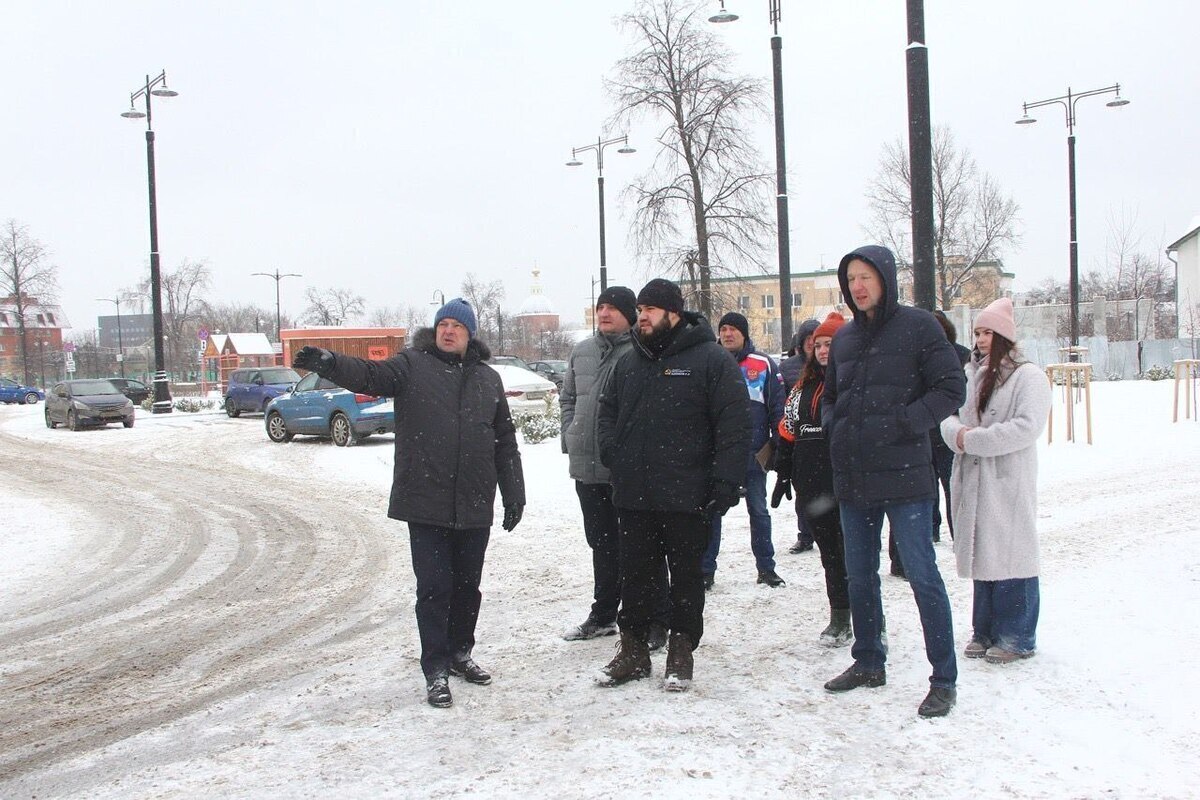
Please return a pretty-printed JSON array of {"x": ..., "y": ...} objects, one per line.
[{"x": 993, "y": 485}]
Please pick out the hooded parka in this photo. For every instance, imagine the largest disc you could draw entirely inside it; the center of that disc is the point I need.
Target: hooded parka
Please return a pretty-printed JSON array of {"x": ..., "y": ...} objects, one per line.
[
  {"x": 455, "y": 438},
  {"x": 891, "y": 379}
]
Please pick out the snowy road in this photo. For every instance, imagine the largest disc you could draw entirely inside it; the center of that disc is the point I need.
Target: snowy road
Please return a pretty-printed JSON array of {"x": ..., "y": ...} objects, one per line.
[{"x": 189, "y": 610}]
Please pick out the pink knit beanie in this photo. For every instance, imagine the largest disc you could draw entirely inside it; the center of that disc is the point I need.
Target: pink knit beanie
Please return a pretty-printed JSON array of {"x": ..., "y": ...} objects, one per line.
[{"x": 998, "y": 317}]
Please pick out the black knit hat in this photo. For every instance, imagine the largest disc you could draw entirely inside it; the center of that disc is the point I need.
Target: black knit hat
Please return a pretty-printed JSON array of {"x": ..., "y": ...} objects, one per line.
[
  {"x": 661, "y": 293},
  {"x": 620, "y": 298},
  {"x": 736, "y": 320}
]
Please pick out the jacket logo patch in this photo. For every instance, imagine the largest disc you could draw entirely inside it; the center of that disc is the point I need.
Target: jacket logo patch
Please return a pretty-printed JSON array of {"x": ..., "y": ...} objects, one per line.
[
  {"x": 752, "y": 374},
  {"x": 677, "y": 372}
]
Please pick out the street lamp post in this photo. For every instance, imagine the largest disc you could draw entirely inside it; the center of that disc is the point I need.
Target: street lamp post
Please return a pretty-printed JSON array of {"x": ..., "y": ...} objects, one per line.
[
  {"x": 575, "y": 162},
  {"x": 781, "y": 192},
  {"x": 1068, "y": 102},
  {"x": 278, "y": 276},
  {"x": 157, "y": 87},
  {"x": 120, "y": 341}
]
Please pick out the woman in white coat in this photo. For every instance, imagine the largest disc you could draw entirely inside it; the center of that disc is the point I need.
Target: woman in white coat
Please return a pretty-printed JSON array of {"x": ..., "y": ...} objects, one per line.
[{"x": 994, "y": 488}]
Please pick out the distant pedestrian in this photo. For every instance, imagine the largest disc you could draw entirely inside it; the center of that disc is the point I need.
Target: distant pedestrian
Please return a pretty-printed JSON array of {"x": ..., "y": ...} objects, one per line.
[
  {"x": 892, "y": 378},
  {"x": 455, "y": 442},
  {"x": 994, "y": 487},
  {"x": 673, "y": 431},
  {"x": 766, "y": 392},
  {"x": 802, "y": 464},
  {"x": 589, "y": 368}
]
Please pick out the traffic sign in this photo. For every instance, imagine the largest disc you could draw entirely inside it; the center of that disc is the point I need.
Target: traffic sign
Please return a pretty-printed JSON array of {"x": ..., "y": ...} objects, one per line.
[
  {"x": 202, "y": 333},
  {"x": 68, "y": 347}
]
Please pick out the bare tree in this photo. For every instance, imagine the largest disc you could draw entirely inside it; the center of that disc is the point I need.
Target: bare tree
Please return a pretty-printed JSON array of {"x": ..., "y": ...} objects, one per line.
[
  {"x": 238, "y": 318},
  {"x": 974, "y": 220},
  {"x": 333, "y": 306},
  {"x": 702, "y": 204},
  {"x": 183, "y": 310},
  {"x": 485, "y": 299},
  {"x": 27, "y": 278}
]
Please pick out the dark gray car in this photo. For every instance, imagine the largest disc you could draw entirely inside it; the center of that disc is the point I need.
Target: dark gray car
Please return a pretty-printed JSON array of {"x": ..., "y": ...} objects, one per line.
[{"x": 81, "y": 403}]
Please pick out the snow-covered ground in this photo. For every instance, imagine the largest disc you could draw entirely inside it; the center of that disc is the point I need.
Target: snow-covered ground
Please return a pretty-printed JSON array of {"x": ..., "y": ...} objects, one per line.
[{"x": 187, "y": 609}]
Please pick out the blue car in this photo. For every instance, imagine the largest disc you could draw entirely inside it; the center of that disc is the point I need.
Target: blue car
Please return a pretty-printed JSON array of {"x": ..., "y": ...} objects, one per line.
[
  {"x": 13, "y": 392},
  {"x": 318, "y": 407},
  {"x": 250, "y": 389}
]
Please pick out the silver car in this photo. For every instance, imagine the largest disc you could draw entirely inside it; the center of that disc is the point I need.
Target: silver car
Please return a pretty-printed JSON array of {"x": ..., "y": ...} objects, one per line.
[{"x": 81, "y": 403}]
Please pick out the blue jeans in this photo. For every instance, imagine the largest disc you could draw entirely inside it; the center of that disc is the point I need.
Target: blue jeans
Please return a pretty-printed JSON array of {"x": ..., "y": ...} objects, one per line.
[
  {"x": 1005, "y": 614},
  {"x": 760, "y": 524},
  {"x": 910, "y": 525}
]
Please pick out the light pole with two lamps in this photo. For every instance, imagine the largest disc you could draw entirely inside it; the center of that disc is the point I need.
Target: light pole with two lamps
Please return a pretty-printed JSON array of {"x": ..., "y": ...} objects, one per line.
[
  {"x": 278, "y": 276},
  {"x": 120, "y": 341},
  {"x": 158, "y": 88},
  {"x": 575, "y": 162},
  {"x": 1068, "y": 102},
  {"x": 781, "y": 192}
]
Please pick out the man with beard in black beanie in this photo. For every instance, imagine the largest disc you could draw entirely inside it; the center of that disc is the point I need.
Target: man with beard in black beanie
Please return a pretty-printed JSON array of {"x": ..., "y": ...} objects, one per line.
[{"x": 674, "y": 431}]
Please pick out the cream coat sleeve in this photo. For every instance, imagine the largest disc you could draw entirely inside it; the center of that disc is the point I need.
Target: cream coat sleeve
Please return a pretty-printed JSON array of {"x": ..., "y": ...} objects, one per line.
[{"x": 1031, "y": 405}]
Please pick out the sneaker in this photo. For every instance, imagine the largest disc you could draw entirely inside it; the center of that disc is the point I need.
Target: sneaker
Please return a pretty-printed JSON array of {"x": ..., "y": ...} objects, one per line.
[
  {"x": 631, "y": 663},
  {"x": 801, "y": 547},
  {"x": 678, "y": 676},
  {"x": 471, "y": 672},
  {"x": 938, "y": 702},
  {"x": 770, "y": 578},
  {"x": 590, "y": 629},
  {"x": 975, "y": 649},
  {"x": 656, "y": 636},
  {"x": 709, "y": 579},
  {"x": 998, "y": 655},
  {"x": 437, "y": 691},
  {"x": 854, "y": 678}
]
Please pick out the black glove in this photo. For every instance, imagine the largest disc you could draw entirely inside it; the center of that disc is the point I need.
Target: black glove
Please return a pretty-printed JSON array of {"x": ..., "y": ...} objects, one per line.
[
  {"x": 512, "y": 515},
  {"x": 783, "y": 486},
  {"x": 724, "y": 496},
  {"x": 313, "y": 359}
]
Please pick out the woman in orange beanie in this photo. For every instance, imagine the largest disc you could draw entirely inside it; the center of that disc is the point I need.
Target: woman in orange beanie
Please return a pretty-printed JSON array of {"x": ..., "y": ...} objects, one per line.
[{"x": 802, "y": 461}]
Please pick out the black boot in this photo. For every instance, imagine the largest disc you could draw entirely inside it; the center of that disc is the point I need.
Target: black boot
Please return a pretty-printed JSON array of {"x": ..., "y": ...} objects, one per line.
[
  {"x": 437, "y": 691},
  {"x": 838, "y": 632},
  {"x": 679, "y": 663},
  {"x": 468, "y": 670},
  {"x": 854, "y": 678},
  {"x": 632, "y": 662},
  {"x": 938, "y": 702}
]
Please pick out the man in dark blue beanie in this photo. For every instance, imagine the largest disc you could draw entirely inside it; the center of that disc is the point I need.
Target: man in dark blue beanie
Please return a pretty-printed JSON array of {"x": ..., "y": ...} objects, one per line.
[{"x": 459, "y": 444}]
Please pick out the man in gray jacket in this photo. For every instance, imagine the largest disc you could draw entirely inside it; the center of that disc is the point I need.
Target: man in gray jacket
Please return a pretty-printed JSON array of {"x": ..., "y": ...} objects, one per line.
[{"x": 588, "y": 369}]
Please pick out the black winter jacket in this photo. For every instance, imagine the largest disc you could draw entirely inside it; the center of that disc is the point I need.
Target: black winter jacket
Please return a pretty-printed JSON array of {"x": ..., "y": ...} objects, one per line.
[
  {"x": 455, "y": 438},
  {"x": 671, "y": 425},
  {"x": 803, "y": 454},
  {"x": 890, "y": 380}
]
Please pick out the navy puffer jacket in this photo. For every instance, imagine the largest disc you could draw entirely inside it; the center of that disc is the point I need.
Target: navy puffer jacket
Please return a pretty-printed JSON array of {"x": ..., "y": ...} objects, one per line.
[{"x": 891, "y": 379}]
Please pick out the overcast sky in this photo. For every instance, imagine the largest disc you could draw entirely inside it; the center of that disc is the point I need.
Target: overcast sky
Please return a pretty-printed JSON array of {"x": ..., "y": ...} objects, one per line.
[{"x": 392, "y": 147}]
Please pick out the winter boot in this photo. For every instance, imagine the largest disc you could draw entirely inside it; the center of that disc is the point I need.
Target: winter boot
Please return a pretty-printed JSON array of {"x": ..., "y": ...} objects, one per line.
[
  {"x": 679, "y": 663},
  {"x": 590, "y": 628},
  {"x": 656, "y": 636},
  {"x": 437, "y": 691},
  {"x": 838, "y": 632},
  {"x": 632, "y": 662}
]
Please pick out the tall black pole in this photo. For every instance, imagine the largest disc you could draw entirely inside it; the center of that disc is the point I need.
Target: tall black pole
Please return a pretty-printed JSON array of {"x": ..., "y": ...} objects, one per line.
[
  {"x": 278, "y": 317},
  {"x": 120, "y": 341},
  {"x": 603, "y": 257},
  {"x": 162, "y": 393},
  {"x": 1074, "y": 277},
  {"x": 920, "y": 157},
  {"x": 781, "y": 193}
]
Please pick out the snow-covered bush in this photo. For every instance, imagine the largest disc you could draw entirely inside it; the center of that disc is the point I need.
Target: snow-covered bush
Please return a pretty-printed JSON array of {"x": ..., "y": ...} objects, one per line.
[
  {"x": 1157, "y": 373},
  {"x": 538, "y": 427},
  {"x": 1113, "y": 376},
  {"x": 193, "y": 404}
]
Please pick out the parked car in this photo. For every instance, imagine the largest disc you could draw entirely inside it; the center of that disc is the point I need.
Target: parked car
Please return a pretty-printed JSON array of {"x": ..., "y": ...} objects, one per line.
[
  {"x": 508, "y": 361},
  {"x": 13, "y": 392},
  {"x": 527, "y": 392},
  {"x": 554, "y": 371},
  {"x": 318, "y": 407},
  {"x": 252, "y": 389},
  {"x": 81, "y": 403},
  {"x": 134, "y": 390}
]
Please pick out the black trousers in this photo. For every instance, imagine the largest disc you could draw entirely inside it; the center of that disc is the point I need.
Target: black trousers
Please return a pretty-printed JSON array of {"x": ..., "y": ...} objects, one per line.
[
  {"x": 449, "y": 565},
  {"x": 825, "y": 521},
  {"x": 647, "y": 537},
  {"x": 604, "y": 537},
  {"x": 943, "y": 463}
]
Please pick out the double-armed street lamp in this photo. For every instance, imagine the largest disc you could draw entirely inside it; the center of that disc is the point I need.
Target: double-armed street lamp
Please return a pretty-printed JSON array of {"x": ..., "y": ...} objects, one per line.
[
  {"x": 781, "y": 193},
  {"x": 599, "y": 147},
  {"x": 278, "y": 276},
  {"x": 120, "y": 341},
  {"x": 1068, "y": 101},
  {"x": 158, "y": 88}
]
